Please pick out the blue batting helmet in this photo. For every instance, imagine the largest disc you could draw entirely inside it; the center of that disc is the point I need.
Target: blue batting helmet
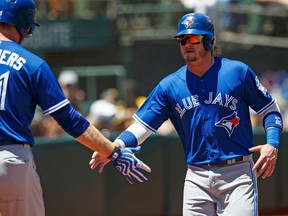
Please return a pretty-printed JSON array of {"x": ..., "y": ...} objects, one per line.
[
  {"x": 200, "y": 24},
  {"x": 20, "y": 13}
]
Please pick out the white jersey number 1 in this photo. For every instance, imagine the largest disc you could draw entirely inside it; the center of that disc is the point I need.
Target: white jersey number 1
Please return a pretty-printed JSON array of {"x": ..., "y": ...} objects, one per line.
[{"x": 3, "y": 88}]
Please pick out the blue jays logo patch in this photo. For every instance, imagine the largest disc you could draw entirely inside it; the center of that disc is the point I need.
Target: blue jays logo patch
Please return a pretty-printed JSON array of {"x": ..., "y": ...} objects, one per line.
[
  {"x": 187, "y": 22},
  {"x": 260, "y": 86},
  {"x": 229, "y": 123}
]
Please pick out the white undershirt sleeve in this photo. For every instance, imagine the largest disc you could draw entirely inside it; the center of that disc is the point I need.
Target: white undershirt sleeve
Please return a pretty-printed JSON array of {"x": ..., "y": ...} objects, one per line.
[{"x": 138, "y": 131}]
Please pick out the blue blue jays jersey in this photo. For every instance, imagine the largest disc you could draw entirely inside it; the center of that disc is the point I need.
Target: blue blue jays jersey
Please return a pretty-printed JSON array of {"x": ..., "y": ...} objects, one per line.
[
  {"x": 210, "y": 113},
  {"x": 25, "y": 81}
]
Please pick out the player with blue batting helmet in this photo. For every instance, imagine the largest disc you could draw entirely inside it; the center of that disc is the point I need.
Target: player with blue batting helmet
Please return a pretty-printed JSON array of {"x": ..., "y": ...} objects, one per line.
[
  {"x": 197, "y": 24},
  {"x": 208, "y": 101},
  {"x": 27, "y": 81},
  {"x": 21, "y": 14}
]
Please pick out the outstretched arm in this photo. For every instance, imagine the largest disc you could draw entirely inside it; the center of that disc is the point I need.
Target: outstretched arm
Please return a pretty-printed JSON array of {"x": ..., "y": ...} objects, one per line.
[
  {"x": 79, "y": 127},
  {"x": 94, "y": 140}
]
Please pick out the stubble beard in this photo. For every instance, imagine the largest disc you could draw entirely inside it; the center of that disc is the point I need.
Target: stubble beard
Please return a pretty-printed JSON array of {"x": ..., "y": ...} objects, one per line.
[{"x": 194, "y": 56}]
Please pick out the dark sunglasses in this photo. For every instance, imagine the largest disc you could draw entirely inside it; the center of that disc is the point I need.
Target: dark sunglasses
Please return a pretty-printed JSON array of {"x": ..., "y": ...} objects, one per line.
[{"x": 193, "y": 39}]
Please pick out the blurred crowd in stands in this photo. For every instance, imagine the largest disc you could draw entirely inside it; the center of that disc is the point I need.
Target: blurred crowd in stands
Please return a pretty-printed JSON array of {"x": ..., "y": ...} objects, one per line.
[
  {"x": 268, "y": 17},
  {"x": 67, "y": 9}
]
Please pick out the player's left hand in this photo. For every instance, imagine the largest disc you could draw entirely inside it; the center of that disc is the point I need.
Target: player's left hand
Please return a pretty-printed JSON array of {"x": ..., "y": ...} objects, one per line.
[{"x": 267, "y": 160}]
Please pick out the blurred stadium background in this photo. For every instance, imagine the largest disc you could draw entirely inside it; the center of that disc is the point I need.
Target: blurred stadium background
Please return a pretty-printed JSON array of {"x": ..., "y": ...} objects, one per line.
[{"x": 128, "y": 45}]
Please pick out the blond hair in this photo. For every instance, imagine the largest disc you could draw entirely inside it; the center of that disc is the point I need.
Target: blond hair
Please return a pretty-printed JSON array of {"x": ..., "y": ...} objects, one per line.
[{"x": 216, "y": 51}]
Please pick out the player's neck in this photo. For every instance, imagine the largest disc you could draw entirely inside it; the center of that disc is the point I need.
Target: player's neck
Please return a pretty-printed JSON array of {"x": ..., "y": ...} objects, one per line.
[
  {"x": 9, "y": 33},
  {"x": 3, "y": 37},
  {"x": 201, "y": 66}
]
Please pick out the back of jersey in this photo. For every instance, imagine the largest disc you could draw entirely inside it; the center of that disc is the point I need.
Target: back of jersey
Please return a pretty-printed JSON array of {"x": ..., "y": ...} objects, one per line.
[{"x": 24, "y": 79}]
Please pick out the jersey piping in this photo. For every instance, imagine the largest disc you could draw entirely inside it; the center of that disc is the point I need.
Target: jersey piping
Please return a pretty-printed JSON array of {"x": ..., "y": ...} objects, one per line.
[{"x": 56, "y": 107}]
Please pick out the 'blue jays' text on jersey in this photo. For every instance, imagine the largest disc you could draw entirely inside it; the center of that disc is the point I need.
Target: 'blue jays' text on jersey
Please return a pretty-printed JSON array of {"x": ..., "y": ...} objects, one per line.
[
  {"x": 25, "y": 81},
  {"x": 210, "y": 113}
]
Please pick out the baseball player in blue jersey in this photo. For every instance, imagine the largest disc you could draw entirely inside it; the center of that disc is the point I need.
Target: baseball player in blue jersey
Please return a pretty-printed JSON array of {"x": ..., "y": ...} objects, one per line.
[
  {"x": 26, "y": 81},
  {"x": 208, "y": 101}
]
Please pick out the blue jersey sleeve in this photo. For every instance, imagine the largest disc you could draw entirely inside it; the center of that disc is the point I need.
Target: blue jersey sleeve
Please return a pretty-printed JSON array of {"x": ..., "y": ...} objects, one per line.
[
  {"x": 154, "y": 111},
  {"x": 51, "y": 99},
  {"x": 47, "y": 91},
  {"x": 256, "y": 94},
  {"x": 71, "y": 121}
]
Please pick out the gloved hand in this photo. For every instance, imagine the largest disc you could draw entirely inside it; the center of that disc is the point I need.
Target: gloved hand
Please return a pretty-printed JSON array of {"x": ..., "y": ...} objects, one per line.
[{"x": 129, "y": 165}]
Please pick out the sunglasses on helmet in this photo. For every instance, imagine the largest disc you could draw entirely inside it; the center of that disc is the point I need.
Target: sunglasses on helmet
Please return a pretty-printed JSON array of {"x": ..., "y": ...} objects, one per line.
[{"x": 193, "y": 39}]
